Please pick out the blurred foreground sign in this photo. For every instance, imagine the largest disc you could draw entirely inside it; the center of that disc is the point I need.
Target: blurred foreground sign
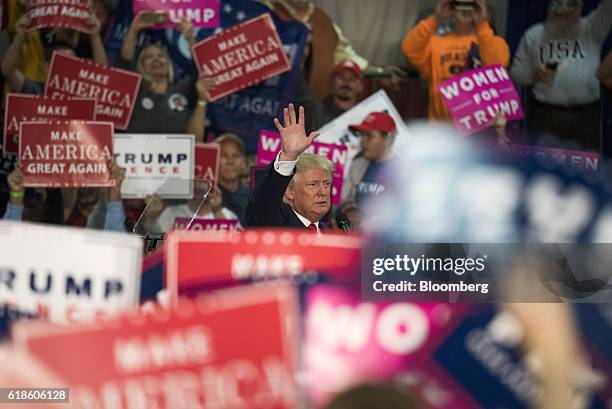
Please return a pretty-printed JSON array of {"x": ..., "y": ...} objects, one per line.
[
  {"x": 97, "y": 274},
  {"x": 207, "y": 354},
  {"x": 222, "y": 257}
]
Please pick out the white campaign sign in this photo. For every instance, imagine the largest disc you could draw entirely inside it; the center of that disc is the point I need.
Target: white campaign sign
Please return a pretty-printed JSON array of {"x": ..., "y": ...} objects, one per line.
[
  {"x": 337, "y": 131},
  {"x": 152, "y": 159},
  {"x": 68, "y": 274}
]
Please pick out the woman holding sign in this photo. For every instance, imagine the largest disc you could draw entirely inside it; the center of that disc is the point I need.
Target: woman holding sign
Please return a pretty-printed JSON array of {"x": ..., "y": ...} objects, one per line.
[{"x": 163, "y": 106}]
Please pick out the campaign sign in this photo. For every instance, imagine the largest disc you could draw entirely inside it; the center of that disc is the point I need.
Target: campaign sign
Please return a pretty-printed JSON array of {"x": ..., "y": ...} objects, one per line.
[
  {"x": 475, "y": 98},
  {"x": 206, "y": 354},
  {"x": 207, "y": 157},
  {"x": 367, "y": 341},
  {"x": 270, "y": 144},
  {"x": 96, "y": 275},
  {"x": 187, "y": 223},
  {"x": 73, "y": 14},
  {"x": 112, "y": 88},
  {"x": 66, "y": 153},
  {"x": 564, "y": 157},
  {"x": 241, "y": 56},
  {"x": 256, "y": 255},
  {"x": 337, "y": 132},
  {"x": 200, "y": 13},
  {"x": 41, "y": 108},
  {"x": 152, "y": 159}
]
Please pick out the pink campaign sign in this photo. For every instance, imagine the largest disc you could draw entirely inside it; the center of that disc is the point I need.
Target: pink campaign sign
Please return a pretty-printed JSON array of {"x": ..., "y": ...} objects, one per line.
[
  {"x": 476, "y": 97},
  {"x": 181, "y": 223},
  {"x": 200, "y": 13},
  {"x": 270, "y": 144},
  {"x": 348, "y": 341}
]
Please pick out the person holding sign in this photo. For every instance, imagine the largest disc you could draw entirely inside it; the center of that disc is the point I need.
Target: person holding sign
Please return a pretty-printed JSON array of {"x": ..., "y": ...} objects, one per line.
[
  {"x": 18, "y": 81},
  {"x": 163, "y": 106},
  {"x": 440, "y": 57},
  {"x": 41, "y": 206},
  {"x": 296, "y": 189},
  {"x": 26, "y": 207}
]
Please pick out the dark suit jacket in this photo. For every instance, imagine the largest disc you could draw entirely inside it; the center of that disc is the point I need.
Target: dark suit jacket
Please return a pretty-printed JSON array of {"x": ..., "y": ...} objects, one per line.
[{"x": 266, "y": 207}]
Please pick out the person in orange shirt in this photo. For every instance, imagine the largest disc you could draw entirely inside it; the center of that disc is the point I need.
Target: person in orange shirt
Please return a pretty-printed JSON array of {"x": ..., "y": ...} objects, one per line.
[{"x": 470, "y": 44}]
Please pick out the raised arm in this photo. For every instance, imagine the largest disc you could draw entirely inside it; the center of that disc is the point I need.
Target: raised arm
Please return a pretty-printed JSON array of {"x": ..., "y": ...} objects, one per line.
[
  {"x": 293, "y": 134},
  {"x": 129, "y": 43},
  {"x": 10, "y": 61},
  {"x": 196, "y": 124},
  {"x": 97, "y": 46},
  {"x": 493, "y": 49},
  {"x": 416, "y": 45}
]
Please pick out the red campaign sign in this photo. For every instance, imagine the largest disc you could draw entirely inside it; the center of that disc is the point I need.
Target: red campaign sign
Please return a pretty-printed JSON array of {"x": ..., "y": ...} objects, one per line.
[
  {"x": 114, "y": 89},
  {"x": 241, "y": 56},
  {"x": 73, "y": 14},
  {"x": 207, "y": 157},
  {"x": 66, "y": 153},
  {"x": 41, "y": 108},
  {"x": 255, "y": 254},
  {"x": 194, "y": 356}
]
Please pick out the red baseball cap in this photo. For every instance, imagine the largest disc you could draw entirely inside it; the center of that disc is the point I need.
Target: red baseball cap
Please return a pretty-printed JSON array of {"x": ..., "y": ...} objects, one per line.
[
  {"x": 376, "y": 121},
  {"x": 348, "y": 65}
]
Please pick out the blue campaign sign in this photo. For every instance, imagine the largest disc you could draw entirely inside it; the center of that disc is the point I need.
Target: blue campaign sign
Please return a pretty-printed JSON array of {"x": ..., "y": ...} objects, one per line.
[
  {"x": 244, "y": 113},
  {"x": 491, "y": 373}
]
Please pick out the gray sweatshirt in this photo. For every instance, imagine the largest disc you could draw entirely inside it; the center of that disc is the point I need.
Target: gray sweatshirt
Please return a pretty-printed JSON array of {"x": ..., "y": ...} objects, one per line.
[{"x": 575, "y": 82}]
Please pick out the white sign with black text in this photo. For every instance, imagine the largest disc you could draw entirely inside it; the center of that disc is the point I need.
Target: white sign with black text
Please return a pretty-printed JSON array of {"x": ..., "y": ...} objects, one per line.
[
  {"x": 96, "y": 275},
  {"x": 153, "y": 160}
]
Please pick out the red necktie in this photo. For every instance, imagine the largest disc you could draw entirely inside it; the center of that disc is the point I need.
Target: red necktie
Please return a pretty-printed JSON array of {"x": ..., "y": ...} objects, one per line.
[{"x": 313, "y": 228}]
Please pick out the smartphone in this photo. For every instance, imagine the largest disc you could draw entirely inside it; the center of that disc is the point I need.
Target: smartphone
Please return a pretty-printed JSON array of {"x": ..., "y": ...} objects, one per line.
[
  {"x": 552, "y": 66},
  {"x": 469, "y": 5},
  {"x": 154, "y": 17}
]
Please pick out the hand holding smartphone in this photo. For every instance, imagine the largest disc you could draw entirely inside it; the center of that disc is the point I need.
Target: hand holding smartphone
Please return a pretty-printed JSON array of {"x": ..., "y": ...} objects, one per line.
[{"x": 154, "y": 17}]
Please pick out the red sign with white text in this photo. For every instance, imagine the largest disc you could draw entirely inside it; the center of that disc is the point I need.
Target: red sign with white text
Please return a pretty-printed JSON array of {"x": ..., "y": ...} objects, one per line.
[
  {"x": 241, "y": 56},
  {"x": 255, "y": 254},
  {"x": 114, "y": 90},
  {"x": 73, "y": 14},
  {"x": 40, "y": 108},
  {"x": 210, "y": 353},
  {"x": 66, "y": 153},
  {"x": 207, "y": 156}
]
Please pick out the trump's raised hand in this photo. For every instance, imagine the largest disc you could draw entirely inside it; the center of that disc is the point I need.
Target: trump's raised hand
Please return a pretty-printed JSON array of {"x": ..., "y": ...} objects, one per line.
[{"x": 293, "y": 134}]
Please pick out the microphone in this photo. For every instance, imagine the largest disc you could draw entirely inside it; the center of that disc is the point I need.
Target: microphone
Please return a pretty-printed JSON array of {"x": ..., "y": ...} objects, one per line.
[{"x": 344, "y": 223}]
